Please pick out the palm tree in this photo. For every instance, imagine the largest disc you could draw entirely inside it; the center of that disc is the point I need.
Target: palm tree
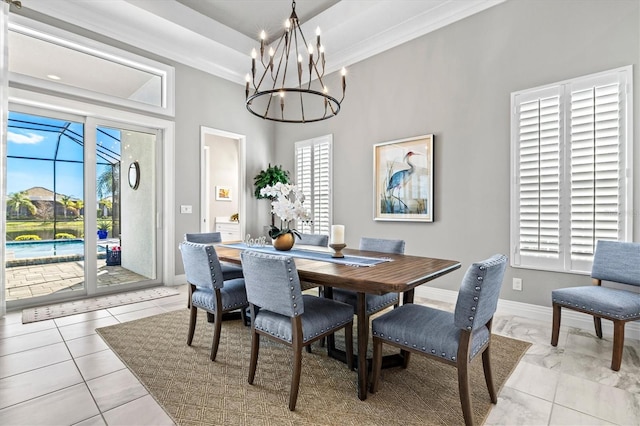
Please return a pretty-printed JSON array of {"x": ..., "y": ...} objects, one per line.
[
  {"x": 18, "y": 199},
  {"x": 78, "y": 205},
  {"x": 107, "y": 181},
  {"x": 106, "y": 203},
  {"x": 66, "y": 202}
]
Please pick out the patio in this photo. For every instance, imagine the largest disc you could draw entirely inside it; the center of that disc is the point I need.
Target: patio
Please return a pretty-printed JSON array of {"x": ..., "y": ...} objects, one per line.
[{"x": 23, "y": 282}]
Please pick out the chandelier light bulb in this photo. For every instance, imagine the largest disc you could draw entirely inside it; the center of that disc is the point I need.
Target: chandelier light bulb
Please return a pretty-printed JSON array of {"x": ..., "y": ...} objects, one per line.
[{"x": 263, "y": 35}]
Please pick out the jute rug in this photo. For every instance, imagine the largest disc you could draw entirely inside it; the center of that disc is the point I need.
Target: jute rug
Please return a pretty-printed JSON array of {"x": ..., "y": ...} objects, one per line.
[
  {"x": 196, "y": 391},
  {"x": 42, "y": 313}
]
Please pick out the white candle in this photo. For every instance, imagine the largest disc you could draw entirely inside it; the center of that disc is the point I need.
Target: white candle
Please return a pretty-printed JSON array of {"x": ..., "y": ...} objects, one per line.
[{"x": 337, "y": 234}]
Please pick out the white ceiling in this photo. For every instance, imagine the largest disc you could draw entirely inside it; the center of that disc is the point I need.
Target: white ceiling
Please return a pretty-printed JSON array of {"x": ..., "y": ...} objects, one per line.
[{"x": 217, "y": 36}]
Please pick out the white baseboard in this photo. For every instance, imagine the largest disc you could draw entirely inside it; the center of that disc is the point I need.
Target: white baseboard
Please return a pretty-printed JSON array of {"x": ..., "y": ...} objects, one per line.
[
  {"x": 542, "y": 313},
  {"x": 180, "y": 279}
]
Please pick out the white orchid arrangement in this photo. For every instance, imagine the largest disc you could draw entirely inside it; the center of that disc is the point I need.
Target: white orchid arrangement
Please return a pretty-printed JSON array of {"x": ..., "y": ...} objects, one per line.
[{"x": 287, "y": 204}]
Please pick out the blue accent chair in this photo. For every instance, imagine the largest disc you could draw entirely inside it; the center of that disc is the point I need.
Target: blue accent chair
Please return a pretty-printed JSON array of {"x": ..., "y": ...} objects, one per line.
[
  {"x": 375, "y": 302},
  {"x": 280, "y": 311},
  {"x": 313, "y": 240},
  {"x": 453, "y": 338},
  {"x": 229, "y": 271},
  {"x": 616, "y": 262},
  {"x": 209, "y": 290}
]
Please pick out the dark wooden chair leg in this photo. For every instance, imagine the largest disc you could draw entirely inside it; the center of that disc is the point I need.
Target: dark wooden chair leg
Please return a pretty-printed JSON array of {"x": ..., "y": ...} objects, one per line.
[
  {"x": 255, "y": 348},
  {"x": 406, "y": 356},
  {"x": 217, "y": 329},
  {"x": 488, "y": 375},
  {"x": 618, "y": 344},
  {"x": 377, "y": 364},
  {"x": 308, "y": 348},
  {"x": 295, "y": 378},
  {"x": 296, "y": 329},
  {"x": 465, "y": 394},
  {"x": 192, "y": 324},
  {"x": 555, "y": 330},
  {"x": 597, "y": 322},
  {"x": 190, "y": 293},
  {"x": 462, "y": 364},
  {"x": 243, "y": 315}
]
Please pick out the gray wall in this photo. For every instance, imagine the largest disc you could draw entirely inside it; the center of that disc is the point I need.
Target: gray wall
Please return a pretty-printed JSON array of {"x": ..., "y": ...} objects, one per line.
[
  {"x": 456, "y": 83},
  {"x": 205, "y": 100}
]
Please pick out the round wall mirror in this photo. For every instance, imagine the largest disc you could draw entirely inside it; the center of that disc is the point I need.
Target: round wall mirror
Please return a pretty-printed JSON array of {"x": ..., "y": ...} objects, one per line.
[{"x": 134, "y": 175}]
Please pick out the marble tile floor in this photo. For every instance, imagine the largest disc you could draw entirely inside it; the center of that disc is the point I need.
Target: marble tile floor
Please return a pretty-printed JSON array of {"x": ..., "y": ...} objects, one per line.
[{"x": 60, "y": 372}]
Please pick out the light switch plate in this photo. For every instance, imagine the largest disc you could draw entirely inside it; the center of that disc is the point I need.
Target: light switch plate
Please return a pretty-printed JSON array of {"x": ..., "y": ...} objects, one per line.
[{"x": 186, "y": 209}]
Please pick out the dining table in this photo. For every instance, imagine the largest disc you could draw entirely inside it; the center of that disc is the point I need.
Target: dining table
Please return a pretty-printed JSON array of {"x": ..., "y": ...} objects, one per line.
[{"x": 385, "y": 273}]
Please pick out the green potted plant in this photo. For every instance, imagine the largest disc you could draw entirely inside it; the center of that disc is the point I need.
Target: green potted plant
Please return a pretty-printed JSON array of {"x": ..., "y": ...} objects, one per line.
[{"x": 268, "y": 178}]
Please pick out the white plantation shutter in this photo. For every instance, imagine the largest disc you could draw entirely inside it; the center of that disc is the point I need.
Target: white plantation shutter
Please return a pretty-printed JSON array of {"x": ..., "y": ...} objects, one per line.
[
  {"x": 313, "y": 176},
  {"x": 571, "y": 182},
  {"x": 595, "y": 167},
  {"x": 539, "y": 183}
]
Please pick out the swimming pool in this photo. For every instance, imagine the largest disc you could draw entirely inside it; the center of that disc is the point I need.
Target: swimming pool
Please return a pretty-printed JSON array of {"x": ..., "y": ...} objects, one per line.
[
  {"x": 48, "y": 248},
  {"x": 29, "y": 249}
]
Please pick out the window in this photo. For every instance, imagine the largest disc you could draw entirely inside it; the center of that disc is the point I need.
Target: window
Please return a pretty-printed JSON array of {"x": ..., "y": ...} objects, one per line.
[
  {"x": 571, "y": 173},
  {"x": 313, "y": 168},
  {"x": 52, "y": 59}
]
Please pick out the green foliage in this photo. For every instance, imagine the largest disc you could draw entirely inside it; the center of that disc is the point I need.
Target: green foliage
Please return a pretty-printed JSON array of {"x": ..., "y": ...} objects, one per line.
[
  {"x": 27, "y": 238},
  {"x": 18, "y": 199},
  {"x": 269, "y": 177},
  {"x": 104, "y": 225},
  {"x": 64, "y": 236}
]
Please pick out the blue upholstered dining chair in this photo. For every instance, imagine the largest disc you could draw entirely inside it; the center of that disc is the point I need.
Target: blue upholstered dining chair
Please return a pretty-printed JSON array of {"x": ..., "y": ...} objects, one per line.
[
  {"x": 313, "y": 240},
  {"x": 229, "y": 271},
  {"x": 375, "y": 302},
  {"x": 616, "y": 262},
  {"x": 281, "y": 312},
  {"x": 453, "y": 338},
  {"x": 209, "y": 290}
]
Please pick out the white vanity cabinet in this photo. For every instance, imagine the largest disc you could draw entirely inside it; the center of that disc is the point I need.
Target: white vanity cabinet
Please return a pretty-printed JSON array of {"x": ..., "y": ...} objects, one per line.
[{"x": 229, "y": 230}]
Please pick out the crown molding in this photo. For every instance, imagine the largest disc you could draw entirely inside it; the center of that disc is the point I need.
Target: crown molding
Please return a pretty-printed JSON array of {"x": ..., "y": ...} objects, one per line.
[{"x": 352, "y": 30}]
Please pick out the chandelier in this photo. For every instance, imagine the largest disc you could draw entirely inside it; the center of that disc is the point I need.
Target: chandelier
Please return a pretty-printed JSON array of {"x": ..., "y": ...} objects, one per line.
[{"x": 290, "y": 85}]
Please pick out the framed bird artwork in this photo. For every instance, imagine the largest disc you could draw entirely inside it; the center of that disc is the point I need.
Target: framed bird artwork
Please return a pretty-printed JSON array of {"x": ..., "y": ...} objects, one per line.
[{"x": 403, "y": 179}]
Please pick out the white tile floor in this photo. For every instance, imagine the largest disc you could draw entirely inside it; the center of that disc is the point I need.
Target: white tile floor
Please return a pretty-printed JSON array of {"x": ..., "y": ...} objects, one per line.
[{"x": 60, "y": 372}]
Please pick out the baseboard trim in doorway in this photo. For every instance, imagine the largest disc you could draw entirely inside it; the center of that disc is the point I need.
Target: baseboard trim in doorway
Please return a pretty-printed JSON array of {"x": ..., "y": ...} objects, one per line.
[{"x": 41, "y": 313}]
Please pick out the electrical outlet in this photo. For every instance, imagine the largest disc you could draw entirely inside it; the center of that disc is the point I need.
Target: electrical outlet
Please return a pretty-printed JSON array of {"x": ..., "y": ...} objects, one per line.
[
  {"x": 186, "y": 209},
  {"x": 517, "y": 284}
]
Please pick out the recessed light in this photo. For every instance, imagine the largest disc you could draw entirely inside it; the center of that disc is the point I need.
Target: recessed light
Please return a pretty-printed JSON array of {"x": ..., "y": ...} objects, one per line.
[{"x": 53, "y": 77}]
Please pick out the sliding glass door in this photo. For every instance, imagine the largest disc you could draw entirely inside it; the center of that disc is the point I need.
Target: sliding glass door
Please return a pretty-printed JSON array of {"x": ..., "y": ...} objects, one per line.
[
  {"x": 126, "y": 197},
  {"x": 68, "y": 235}
]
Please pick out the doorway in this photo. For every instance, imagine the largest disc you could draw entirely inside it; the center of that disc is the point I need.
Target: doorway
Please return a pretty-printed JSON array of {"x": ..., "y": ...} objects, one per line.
[{"x": 222, "y": 188}]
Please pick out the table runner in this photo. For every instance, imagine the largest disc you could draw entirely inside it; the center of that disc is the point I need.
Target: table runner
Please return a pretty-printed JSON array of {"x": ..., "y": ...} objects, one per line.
[{"x": 313, "y": 255}]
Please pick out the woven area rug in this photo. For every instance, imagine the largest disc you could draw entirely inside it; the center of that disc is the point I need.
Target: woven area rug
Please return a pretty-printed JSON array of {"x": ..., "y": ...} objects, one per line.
[
  {"x": 42, "y": 313},
  {"x": 196, "y": 391}
]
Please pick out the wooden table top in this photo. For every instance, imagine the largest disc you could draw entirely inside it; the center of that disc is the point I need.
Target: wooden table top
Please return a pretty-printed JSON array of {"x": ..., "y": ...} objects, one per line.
[{"x": 402, "y": 273}]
